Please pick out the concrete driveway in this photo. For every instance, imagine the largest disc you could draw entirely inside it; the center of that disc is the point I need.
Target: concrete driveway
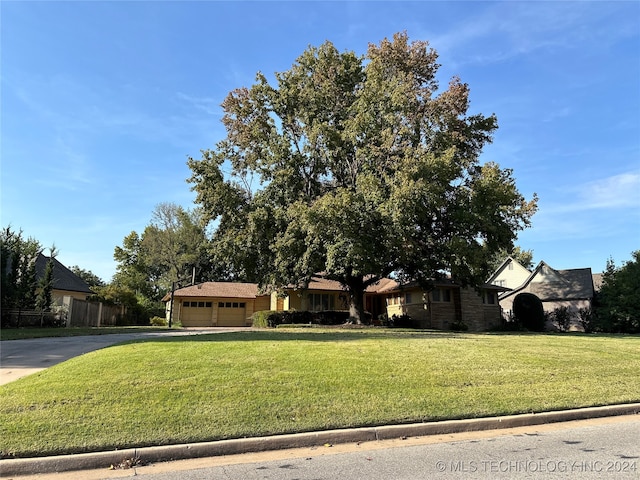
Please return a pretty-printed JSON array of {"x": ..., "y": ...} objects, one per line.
[{"x": 19, "y": 358}]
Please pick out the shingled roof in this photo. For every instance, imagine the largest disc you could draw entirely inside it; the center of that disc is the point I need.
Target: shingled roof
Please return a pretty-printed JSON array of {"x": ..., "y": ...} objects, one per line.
[
  {"x": 574, "y": 284},
  {"x": 217, "y": 289},
  {"x": 63, "y": 278}
]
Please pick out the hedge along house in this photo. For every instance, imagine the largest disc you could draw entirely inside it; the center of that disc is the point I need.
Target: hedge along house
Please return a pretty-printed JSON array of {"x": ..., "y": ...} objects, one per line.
[
  {"x": 572, "y": 288},
  {"x": 216, "y": 304}
]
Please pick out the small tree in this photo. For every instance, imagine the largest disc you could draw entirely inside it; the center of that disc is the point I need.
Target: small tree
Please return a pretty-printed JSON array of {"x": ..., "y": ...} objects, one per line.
[
  {"x": 19, "y": 280},
  {"x": 619, "y": 297},
  {"x": 562, "y": 317},
  {"x": 44, "y": 297},
  {"x": 587, "y": 319}
]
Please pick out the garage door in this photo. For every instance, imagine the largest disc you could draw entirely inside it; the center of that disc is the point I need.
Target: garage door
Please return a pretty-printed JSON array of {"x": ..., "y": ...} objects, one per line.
[
  {"x": 197, "y": 314},
  {"x": 231, "y": 314}
]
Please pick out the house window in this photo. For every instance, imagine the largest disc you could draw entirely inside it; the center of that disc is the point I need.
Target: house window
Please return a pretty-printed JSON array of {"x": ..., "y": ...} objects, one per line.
[
  {"x": 227, "y": 305},
  {"x": 220, "y": 304},
  {"x": 320, "y": 301},
  {"x": 441, "y": 295},
  {"x": 242, "y": 304},
  {"x": 500, "y": 283},
  {"x": 208, "y": 304},
  {"x": 407, "y": 298},
  {"x": 489, "y": 298},
  {"x": 510, "y": 266}
]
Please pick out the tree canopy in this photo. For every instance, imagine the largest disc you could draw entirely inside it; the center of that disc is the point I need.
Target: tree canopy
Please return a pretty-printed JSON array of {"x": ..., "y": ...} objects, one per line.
[
  {"x": 619, "y": 297},
  {"x": 169, "y": 248},
  {"x": 356, "y": 168},
  {"x": 523, "y": 257}
]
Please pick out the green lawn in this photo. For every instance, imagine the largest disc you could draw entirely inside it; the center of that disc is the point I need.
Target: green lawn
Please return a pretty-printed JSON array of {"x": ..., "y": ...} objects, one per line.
[
  {"x": 22, "y": 333},
  {"x": 189, "y": 389}
]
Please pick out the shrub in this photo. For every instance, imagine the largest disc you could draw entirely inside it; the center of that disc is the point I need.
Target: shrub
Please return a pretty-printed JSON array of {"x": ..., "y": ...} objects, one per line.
[
  {"x": 158, "y": 321},
  {"x": 331, "y": 317},
  {"x": 561, "y": 316},
  {"x": 458, "y": 326},
  {"x": 271, "y": 318},
  {"x": 587, "y": 319},
  {"x": 528, "y": 311},
  {"x": 402, "y": 321},
  {"x": 294, "y": 316}
]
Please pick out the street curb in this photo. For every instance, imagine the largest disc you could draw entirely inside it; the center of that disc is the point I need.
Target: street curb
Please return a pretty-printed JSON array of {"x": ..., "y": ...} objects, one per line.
[{"x": 85, "y": 461}]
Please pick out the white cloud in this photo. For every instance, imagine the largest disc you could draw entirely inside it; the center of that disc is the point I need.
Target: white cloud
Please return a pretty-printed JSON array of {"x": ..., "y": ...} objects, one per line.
[
  {"x": 617, "y": 191},
  {"x": 209, "y": 105},
  {"x": 507, "y": 29}
]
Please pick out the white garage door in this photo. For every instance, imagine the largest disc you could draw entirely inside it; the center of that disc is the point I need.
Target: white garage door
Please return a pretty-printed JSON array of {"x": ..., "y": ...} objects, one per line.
[
  {"x": 197, "y": 314},
  {"x": 231, "y": 314}
]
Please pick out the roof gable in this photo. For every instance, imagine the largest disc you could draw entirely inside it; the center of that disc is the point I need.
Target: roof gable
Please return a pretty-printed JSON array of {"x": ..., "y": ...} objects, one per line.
[
  {"x": 509, "y": 264},
  {"x": 550, "y": 284},
  {"x": 63, "y": 278}
]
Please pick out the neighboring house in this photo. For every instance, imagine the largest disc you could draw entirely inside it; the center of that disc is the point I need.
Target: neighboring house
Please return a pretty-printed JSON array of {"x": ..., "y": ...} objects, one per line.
[
  {"x": 232, "y": 304},
  {"x": 555, "y": 288},
  {"x": 65, "y": 282},
  {"x": 509, "y": 274}
]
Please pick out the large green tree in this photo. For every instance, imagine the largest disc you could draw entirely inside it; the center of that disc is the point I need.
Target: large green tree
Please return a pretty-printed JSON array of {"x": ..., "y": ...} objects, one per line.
[
  {"x": 356, "y": 168},
  {"x": 88, "y": 276},
  {"x": 619, "y": 297},
  {"x": 170, "y": 247},
  {"x": 523, "y": 257}
]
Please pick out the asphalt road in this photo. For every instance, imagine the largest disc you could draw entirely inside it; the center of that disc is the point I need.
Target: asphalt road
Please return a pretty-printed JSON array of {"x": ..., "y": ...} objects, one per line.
[
  {"x": 19, "y": 358},
  {"x": 605, "y": 448}
]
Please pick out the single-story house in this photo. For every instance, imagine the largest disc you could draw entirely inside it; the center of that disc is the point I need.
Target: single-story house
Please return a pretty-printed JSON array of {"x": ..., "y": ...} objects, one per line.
[
  {"x": 65, "y": 282},
  {"x": 232, "y": 304},
  {"x": 572, "y": 288}
]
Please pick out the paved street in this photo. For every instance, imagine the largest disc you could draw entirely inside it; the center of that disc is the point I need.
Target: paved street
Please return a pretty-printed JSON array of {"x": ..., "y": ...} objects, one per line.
[
  {"x": 605, "y": 448},
  {"x": 19, "y": 358}
]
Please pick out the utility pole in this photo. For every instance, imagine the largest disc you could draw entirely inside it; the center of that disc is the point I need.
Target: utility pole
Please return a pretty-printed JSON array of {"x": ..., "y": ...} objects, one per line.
[{"x": 173, "y": 289}]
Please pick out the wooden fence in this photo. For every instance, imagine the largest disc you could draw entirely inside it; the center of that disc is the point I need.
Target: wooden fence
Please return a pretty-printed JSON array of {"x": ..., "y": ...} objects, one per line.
[
  {"x": 81, "y": 313},
  {"x": 72, "y": 313}
]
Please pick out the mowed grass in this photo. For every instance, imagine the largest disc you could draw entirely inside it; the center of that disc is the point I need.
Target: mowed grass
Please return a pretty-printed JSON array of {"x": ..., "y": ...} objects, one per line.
[{"x": 209, "y": 387}]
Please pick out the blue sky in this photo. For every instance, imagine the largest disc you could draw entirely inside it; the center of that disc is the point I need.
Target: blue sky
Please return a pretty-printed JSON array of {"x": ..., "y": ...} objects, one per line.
[{"x": 102, "y": 102}]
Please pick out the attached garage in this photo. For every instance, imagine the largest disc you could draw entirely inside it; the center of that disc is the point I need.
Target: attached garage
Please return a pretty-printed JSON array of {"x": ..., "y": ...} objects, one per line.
[
  {"x": 216, "y": 304},
  {"x": 231, "y": 313},
  {"x": 197, "y": 314}
]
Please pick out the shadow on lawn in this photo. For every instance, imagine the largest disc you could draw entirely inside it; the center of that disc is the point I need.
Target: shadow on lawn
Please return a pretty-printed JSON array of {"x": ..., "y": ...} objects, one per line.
[
  {"x": 342, "y": 334},
  {"x": 310, "y": 335},
  {"x": 348, "y": 334}
]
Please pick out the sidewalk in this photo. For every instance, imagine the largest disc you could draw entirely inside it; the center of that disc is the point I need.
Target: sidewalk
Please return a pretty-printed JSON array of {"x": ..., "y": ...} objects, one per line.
[{"x": 65, "y": 463}]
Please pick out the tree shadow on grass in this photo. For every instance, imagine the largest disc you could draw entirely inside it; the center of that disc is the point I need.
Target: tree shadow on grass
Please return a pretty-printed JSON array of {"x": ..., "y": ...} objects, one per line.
[{"x": 349, "y": 334}]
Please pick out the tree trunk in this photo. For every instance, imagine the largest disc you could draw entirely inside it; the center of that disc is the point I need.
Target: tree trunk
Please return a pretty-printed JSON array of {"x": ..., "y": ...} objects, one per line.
[{"x": 356, "y": 300}]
